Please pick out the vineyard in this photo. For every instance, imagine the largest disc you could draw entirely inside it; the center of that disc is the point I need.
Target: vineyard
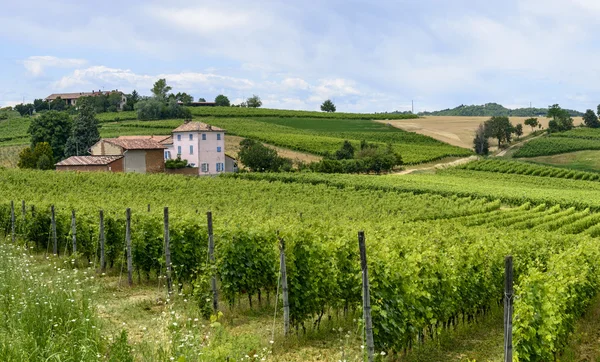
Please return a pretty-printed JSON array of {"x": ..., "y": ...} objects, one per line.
[
  {"x": 525, "y": 168},
  {"x": 434, "y": 261},
  {"x": 577, "y": 139}
]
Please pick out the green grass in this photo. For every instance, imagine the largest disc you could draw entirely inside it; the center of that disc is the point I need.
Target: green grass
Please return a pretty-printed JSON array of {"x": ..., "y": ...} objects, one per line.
[
  {"x": 580, "y": 160},
  {"x": 581, "y": 132},
  {"x": 546, "y": 146}
]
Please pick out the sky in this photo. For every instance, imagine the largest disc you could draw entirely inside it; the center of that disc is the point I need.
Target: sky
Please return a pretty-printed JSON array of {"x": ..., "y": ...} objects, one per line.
[{"x": 367, "y": 56}]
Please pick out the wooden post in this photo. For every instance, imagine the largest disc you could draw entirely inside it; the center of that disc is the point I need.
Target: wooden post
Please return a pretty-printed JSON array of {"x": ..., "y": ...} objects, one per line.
[
  {"x": 168, "y": 252},
  {"x": 508, "y": 307},
  {"x": 101, "y": 237},
  {"x": 128, "y": 242},
  {"x": 366, "y": 296},
  {"x": 74, "y": 231},
  {"x": 211, "y": 258},
  {"x": 284, "y": 287},
  {"x": 32, "y": 211},
  {"x": 12, "y": 221},
  {"x": 54, "y": 239},
  {"x": 23, "y": 211},
  {"x": 148, "y": 207}
]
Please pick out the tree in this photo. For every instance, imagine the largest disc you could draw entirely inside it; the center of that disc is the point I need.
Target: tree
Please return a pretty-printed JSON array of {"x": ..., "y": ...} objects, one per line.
[
  {"x": 531, "y": 122},
  {"x": 114, "y": 100},
  {"x": 84, "y": 131},
  {"x": 148, "y": 109},
  {"x": 58, "y": 104},
  {"x": 346, "y": 152},
  {"x": 40, "y": 157},
  {"x": 328, "y": 106},
  {"x": 160, "y": 89},
  {"x": 201, "y": 100},
  {"x": 590, "y": 119},
  {"x": 254, "y": 101},
  {"x": 498, "y": 127},
  {"x": 222, "y": 101},
  {"x": 561, "y": 119},
  {"x": 41, "y": 105},
  {"x": 53, "y": 127},
  {"x": 259, "y": 158},
  {"x": 184, "y": 98},
  {"x": 24, "y": 109},
  {"x": 519, "y": 130},
  {"x": 480, "y": 143},
  {"x": 598, "y": 110}
]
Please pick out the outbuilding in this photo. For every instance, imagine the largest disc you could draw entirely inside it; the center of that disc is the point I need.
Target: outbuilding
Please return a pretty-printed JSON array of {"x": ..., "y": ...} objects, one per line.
[
  {"x": 141, "y": 155},
  {"x": 91, "y": 164}
]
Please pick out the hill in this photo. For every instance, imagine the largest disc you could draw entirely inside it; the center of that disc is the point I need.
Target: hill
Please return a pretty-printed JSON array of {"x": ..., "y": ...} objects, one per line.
[{"x": 494, "y": 109}]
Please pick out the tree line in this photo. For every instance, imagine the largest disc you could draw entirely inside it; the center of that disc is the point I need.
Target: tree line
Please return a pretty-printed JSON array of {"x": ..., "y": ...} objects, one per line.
[{"x": 494, "y": 110}]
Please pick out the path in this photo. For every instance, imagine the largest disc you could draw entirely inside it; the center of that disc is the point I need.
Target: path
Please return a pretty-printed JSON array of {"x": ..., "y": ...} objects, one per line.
[
  {"x": 458, "y": 162},
  {"x": 504, "y": 151}
]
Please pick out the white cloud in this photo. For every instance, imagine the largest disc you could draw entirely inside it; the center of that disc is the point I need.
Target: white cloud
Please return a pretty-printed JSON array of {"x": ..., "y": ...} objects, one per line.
[
  {"x": 330, "y": 88},
  {"x": 35, "y": 65}
]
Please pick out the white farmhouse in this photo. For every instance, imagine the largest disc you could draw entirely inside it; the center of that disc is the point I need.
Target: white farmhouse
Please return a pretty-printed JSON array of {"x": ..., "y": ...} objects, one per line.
[{"x": 201, "y": 144}]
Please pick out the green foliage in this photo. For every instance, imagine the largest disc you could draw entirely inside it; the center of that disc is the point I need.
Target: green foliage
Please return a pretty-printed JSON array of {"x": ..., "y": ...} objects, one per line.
[
  {"x": 518, "y": 130},
  {"x": 222, "y": 101},
  {"x": 160, "y": 89},
  {"x": 154, "y": 109},
  {"x": 236, "y": 112},
  {"x": 58, "y": 104},
  {"x": 480, "y": 142},
  {"x": 524, "y": 168},
  {"x": 493, "y": 109},
  {"x": 561, "y": 119},
  {"x": 52, "y": 127},
  {"x": 84, "y": 130},
  {"x": 176, "y": 163},
  {"x": 184, "y": 98},
  {"x": 500, "y": 128},
  {"x": 44, "y": 163},
  {"x": 41, "y": 157},
  {"x": 328, "y": 106},
  {"x": 24, "y": 109},
  {"x": 258, "y": 157},
  {"x": 591, "y": 119},
  {"x": 546, "y": 146},
  {"x": 346, "y": 152},
  {"x": 27, "y": 159},
  {"x": 531, "y": 122},
  {"x": 254, "y": 101}
]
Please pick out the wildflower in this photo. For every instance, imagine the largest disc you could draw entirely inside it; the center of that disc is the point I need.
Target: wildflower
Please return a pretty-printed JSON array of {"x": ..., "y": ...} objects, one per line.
[{"x": 382, "y": 353}]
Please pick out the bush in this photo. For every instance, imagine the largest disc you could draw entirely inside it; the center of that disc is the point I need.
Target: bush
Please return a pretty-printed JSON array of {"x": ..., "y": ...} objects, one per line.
[{"x": 176, "y": 163}]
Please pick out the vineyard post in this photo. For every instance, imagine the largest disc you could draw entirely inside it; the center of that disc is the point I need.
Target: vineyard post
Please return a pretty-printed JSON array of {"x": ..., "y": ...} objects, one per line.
[
  {"x": 32, "y": 211},
  {"x": 23, "y": 211},
  {"x": 284, "y": 287},
  {"x": 211, "y": 256},
  {"x": 74, "y": 231},
  {"x": 102, "y": 259},
  {"x": 508, "y": 307},
  {"x": 168, "y": 252},
  {"x": 54, "y": 240},
  {"x": 12, "y": 221},
  {"x": 128, "y": 241},
  {"x": 148, "y": 207},
  {"x": 366, "y": 296}
]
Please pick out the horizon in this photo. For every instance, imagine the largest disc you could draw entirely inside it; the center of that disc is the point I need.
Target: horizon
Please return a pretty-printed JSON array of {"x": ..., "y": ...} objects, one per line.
[{"x": 295, "y": 57}]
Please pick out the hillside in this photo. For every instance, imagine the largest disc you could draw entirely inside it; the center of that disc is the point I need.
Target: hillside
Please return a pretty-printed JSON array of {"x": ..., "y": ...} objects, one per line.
[{"x": 494, "y": 109}]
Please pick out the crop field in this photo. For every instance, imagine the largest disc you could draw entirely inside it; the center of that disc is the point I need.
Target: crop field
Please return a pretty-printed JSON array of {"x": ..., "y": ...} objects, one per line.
[
  {"x": 526, "y": 168},
  {"x": 438, "y": 251},
  {"x": 455, "y": 130},
  {"x": 579, "y": 160},
  {"x": 556, "y": 143}
]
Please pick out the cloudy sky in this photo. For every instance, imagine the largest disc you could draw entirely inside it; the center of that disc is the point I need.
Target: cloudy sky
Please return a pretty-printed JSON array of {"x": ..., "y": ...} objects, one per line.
[{"x": 365, "y": 55}]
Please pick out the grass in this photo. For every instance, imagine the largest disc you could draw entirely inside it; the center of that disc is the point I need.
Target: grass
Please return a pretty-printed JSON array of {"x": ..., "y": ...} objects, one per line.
[
  {"x": 9, "y": 155},
  {"x": 580, "y": 160}
]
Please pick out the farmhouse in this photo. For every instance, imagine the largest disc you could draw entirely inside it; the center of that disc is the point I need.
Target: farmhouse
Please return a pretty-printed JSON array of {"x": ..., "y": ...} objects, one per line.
[
  {"x": 142, "y": 155},
  {"x": 202, "y": 145},
  {"x": 71, "y": 98}
]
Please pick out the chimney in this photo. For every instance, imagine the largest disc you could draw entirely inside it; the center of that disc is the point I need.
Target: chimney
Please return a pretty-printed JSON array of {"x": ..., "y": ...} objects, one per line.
[
  {"x": 187, "y": 121},
  {"x": 209, "y": 127}
]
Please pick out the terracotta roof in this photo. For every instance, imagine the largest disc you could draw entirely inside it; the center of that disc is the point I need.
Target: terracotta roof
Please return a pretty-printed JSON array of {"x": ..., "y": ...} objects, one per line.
[
  {"x": 88, "y": 160},
  {"x": 156, "y": 138},
  {"x": 76, "y": 95},
  {"x": 135, "y": 143},
  {"x": 197, "y": 127},
  {"x": 167, "y": 141}
]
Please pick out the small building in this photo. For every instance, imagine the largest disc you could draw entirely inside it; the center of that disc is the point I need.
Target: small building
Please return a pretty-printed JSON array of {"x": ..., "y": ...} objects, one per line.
[
  {"x": 91, "y": 163},
  {"x": 71, "y": 98},
  {"x": 142, "y": 155},
  {"x": 231, "y": 164},
  {"x": 201, "y": 144}
]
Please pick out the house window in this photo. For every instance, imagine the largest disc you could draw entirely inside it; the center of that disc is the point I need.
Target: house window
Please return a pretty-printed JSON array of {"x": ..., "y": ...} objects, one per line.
[
  {"x": 218, "y": 136},
  {"x": 191, "y": 150},
  {"x": 191, "y": 137},
  {"x": 220, "y": 167},
  {"x": 204, "y": 137},
  {"x": 167, "y": 155},
  {"x": 179, "y": 150},
  {"x": 178, "y": 137},
  {"x": 205, "y": 167},
  {"x": 219, "y": 149}
]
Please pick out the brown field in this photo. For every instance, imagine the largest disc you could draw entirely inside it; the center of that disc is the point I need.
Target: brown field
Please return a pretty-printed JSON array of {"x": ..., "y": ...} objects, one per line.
[{"x": 456, "y": 130}]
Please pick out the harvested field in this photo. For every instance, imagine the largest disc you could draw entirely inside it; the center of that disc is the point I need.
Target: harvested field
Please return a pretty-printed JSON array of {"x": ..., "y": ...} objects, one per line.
[{"x": 457, "y": 131}]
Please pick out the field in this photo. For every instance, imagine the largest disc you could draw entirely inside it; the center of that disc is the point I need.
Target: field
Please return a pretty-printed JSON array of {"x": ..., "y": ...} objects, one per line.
[
  {"x": 433, "y": 244},
  {"x": 563, "y": 142},
  {"x": 289, "y": 131},
  {"x": 457, "y": 131},
  {"x": 580, "y": 160}
]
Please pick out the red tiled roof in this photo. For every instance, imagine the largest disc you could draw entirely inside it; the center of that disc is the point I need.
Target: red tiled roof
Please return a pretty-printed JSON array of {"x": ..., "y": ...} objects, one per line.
[
  {"x": 156, "y": 138},
  {"x": 197, "y": 127},
  {"x": 135, "y": 143},
  {"x": 88, "y": 160}
]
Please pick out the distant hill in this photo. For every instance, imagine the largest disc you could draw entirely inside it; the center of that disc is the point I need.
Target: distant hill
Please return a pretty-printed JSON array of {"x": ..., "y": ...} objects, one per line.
[{"x": 494, "y": 109}]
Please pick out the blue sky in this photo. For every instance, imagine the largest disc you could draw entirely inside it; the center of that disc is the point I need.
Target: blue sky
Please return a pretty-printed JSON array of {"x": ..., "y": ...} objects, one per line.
[{"x": 365, "y": 55}]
